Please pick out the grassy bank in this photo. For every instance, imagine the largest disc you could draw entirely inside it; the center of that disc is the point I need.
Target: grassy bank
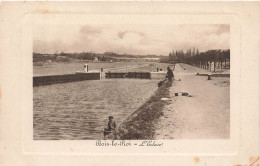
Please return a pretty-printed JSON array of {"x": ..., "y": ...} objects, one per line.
[{"x": 141, "y": 124}]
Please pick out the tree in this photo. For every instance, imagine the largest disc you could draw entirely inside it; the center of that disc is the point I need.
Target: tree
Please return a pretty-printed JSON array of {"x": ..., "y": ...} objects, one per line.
[{"x": 226, "y": 56}]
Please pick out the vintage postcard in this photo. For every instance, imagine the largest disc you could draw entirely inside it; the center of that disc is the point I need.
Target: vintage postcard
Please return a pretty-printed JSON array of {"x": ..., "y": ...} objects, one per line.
[{"x": 129, "y": 83}]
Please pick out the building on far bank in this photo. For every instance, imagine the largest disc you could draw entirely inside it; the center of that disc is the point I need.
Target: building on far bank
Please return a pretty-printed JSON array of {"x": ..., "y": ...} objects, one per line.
[{"x": 95, "y": 59}]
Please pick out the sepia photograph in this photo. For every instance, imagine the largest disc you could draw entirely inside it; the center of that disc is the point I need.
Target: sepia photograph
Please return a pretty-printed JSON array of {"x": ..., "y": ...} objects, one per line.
[{"x": 131, "y": 82}]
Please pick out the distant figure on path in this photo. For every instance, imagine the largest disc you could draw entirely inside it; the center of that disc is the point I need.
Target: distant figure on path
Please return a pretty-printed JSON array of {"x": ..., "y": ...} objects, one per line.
[
  {"x": 169, "y": 74},
  {"x": 111, "y": 126}
]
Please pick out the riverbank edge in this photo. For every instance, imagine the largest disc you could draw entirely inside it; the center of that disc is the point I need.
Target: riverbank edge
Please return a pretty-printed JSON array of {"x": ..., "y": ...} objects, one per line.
[{"x": 141, "y": 124}]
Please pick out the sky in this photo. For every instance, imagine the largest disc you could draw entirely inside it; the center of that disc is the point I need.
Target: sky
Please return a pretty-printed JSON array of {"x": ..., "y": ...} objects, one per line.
[{"x": 129, "y": 38}]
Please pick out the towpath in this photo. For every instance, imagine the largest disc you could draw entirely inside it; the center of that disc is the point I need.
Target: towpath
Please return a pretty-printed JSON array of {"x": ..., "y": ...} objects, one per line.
[{"x": 203, "y": 115}]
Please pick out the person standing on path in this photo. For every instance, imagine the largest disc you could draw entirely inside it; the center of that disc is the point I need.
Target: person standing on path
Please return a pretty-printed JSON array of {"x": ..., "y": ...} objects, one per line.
[{"x": 169, "y": 74}]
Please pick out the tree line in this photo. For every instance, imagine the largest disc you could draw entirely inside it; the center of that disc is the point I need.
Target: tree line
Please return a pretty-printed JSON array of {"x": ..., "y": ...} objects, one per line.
[
  {"x": 106, "y": 56},
  {"x": 219, "y": 58}
]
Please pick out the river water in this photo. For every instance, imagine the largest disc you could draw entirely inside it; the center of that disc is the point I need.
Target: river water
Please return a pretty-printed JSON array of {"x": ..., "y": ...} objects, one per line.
[
  {"x": 55, "y": 68},
  {"x": 80, "y": 110}
]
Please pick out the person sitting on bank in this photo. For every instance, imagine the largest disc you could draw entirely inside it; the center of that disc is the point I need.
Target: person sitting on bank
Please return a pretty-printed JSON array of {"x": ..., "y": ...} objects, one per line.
[
  {"x": 169, "y": 74},
  {"x": 111, "y": 126}
]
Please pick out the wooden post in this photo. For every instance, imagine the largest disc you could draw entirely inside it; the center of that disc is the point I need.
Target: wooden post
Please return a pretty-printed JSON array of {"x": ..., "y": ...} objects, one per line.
[
  {"x": 209, "y": 77},
  {"x": 101, "y": 72},
  {"x": 86, "y": 67}
]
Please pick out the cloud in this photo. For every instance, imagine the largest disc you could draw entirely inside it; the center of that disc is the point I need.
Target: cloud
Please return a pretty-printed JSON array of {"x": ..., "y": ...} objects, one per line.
[
  {"x": 49, "y": 47},
  {"x": 134, "y": 39},
  {"x": 122, "y": 34},
  {"x": 90, "y": 30},
  {"x": 223, "y": 29}
]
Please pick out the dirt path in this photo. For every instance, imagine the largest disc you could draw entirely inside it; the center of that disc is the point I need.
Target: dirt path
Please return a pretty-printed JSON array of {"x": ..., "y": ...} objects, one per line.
[{"x": 204, "y": 115}]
